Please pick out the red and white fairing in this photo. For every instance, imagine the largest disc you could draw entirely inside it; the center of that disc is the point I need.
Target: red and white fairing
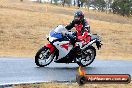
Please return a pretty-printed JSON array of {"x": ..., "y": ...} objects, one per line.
[{"x": 64, "y": 47}]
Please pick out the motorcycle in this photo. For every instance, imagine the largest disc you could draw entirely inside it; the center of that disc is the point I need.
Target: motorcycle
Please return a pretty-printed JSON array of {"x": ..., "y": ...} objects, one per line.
[{"x": 67, "y": 49}]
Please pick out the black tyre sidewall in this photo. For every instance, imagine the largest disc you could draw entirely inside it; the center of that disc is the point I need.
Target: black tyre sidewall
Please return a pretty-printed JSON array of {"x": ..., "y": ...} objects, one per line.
[
  {"x": 37, "y": 56},
  {"x": 90, "y": 47}
]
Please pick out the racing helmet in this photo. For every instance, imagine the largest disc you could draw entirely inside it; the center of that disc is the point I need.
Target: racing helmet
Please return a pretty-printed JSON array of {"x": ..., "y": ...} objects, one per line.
[{"x": 78, "y": 16}]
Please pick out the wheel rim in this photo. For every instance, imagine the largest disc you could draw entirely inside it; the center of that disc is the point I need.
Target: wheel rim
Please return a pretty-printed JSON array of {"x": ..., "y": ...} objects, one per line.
[
  {"x": 45, "y": 57},
  {"x": 88, "y": 56}
]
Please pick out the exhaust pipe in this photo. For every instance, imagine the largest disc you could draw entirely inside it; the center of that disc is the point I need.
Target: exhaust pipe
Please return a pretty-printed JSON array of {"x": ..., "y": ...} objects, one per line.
[{"x": 88, "y": 44}]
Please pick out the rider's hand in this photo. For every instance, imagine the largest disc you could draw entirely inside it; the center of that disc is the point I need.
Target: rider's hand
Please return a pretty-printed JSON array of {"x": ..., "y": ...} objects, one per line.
[{"x": 70, "y": 36}]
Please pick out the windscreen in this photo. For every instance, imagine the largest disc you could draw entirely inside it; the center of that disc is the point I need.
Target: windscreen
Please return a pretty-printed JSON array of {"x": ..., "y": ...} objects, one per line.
[{"x": 56, "y": 35}]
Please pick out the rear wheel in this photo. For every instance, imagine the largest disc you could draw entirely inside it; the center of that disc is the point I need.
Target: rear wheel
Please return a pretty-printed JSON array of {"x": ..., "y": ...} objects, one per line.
[
  {"x": 43, "y": 57},
  {"x": 87, "y": 57}
]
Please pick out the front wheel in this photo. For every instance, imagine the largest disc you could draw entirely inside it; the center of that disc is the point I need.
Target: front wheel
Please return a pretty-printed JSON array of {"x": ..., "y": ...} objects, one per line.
[
  {"x": 88, "y": 56},
  {"x": 43, "y": 57}
]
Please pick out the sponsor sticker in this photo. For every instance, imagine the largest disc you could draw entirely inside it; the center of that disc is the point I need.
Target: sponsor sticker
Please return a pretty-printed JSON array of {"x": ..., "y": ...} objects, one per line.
[{"x": 83, "y": 78}]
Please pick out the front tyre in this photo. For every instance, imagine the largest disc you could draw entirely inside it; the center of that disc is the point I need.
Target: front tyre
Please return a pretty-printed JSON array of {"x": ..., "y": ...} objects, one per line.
[
  {"x": 43, "y": 57},
  {"x": 88, "y": 56}
]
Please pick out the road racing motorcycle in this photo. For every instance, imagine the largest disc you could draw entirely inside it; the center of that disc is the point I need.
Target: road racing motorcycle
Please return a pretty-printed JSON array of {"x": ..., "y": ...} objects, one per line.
[{"x": 67, "y": 49}]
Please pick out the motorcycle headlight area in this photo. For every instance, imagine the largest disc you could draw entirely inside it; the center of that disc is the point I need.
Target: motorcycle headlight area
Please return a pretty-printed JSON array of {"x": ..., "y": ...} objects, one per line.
[{"x": 52, "y": 39}]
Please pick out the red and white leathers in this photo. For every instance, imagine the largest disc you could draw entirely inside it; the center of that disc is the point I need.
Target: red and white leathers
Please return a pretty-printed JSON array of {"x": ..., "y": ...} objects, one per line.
[{"x": 82, "y": 29}]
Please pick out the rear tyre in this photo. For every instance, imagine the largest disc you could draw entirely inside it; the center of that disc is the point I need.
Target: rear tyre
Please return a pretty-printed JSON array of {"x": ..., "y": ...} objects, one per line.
[
  {"x": 88, "y": 56},
  {"x": 43, "y": 57}
]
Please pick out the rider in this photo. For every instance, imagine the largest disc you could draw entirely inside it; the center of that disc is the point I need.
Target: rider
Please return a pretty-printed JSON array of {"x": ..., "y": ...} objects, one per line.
[{"x": 81, "y": 25}]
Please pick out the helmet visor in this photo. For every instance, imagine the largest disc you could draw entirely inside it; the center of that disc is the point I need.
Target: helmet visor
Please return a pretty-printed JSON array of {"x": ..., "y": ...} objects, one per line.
[{"x": 77, "y": 18}]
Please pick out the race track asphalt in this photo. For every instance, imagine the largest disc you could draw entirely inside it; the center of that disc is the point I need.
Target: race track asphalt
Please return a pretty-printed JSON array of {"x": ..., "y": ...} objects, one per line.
[{"x": 24, "y": 70}]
